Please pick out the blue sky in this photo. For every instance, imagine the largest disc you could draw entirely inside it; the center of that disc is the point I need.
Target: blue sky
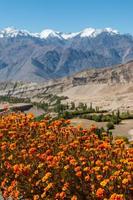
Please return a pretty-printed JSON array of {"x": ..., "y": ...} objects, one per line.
[{"x": 67, "y": 15}]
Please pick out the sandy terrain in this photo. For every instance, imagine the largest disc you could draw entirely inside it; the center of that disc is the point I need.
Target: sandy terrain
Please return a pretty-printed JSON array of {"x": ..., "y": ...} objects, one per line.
[
  {"x": 110, "y": 97},
  {"x": 125, "y": 128},
  {"x": 36, "y": 111},
  {"x": 87, "y": 123}
]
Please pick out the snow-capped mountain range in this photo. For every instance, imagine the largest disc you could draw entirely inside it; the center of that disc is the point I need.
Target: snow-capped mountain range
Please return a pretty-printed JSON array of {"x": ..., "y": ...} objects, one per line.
[
  {"x": 47, "y": 33},
  {"x": 51, "y": 54}
]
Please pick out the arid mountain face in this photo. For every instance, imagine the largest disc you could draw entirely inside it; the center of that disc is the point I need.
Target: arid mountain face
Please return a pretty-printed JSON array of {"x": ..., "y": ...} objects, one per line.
[
  {"x": 51, "y": 55},
  {"x": 107, "y": 88},
  {"x": 120, "y": 74}
]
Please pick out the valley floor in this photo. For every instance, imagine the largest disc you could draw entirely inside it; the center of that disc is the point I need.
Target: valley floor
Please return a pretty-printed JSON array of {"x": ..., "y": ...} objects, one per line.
[
  {"x": 108, "y": 97},
  {"x": 125, "y": 128}
]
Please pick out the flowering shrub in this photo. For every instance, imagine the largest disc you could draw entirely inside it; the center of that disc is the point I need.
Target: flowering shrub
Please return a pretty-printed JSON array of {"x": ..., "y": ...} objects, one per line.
[{"x": 54, "y": 160}]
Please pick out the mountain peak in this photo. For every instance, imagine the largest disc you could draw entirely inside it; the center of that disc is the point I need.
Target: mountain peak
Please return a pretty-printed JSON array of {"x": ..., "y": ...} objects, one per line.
[
  {"x": 9, "y": 30},
  {"x": 110, "y": 30},
  {"x": 88, "y": 32},
  {"x": 12, "y": 32},
  {"x": 91, "y": 32},
  {"x": 51, "y": 54},
  {"x": 49, "y": 33}
]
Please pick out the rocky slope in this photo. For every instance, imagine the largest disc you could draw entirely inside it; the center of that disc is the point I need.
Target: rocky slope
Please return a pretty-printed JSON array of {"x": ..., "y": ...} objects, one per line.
[
  {"x": 120, "y": 74},
  {"x": 114, "y": 75},
  {"x": 50, "y": 54},
  {"x": 108, "y": 88}
]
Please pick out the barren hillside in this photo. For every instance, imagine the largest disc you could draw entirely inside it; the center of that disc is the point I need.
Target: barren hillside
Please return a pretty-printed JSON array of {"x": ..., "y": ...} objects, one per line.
[{"x": 110, "y": 88}]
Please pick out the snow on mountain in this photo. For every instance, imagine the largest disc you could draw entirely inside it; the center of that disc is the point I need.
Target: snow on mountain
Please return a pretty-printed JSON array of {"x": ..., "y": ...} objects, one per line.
[
  {"x": 91, "y": 32},
  {"x": 51, "y": 54},
  {"x": 67, "y": 36},
  {"x": 11, "y": 32},
  {"x": 48, "y": 33},
  {"x": 110, "y": 30}
]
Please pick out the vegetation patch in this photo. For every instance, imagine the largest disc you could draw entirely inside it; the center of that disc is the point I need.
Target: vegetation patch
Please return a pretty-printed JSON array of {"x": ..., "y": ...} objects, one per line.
[{"x": 54, "y": 160}]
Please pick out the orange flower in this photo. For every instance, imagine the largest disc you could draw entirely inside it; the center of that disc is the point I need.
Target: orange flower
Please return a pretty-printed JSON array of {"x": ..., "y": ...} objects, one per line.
[
  {"x": 99, "y": 163},
  {"x": 104, "y": 182},
  {"x": 10, "y": 157},
  {"x": 100, "y": 193},
  {"x": 12, "y": 146},
  {"x": 125, "y": 181},
  {"x": 66, "y": 167},
  {"x": 47, "y": 176},
  {"x": 57, "y": 196},
  {"x": 86, "y": 169},
  {"x": 35, "y": 197},
  {"x": 78, "y": 168},
  {"x": 41, "y": 156},
  {"x": 73, "y": 162},
  {"x": 79, "y": 174},
  {"x": 49, "y": 186},
  {"x": 116, "y": 197},
  {"x": 3, "y": 147},
  {"x": 74, "y": 197},
  {"x": 99, "y": 177},
  {"x": 17, "y": 168},
  {"x": 117, "y": 173},
  {"x": 32, "y": 150},
  {"x": 119, "y": 141},
  {"x": 96, "y": 169},
  {"x": 62, "y": 195},
  {"x": 49, "y": 158},
  {"x": 87, "y": 178},
  {"x": 30, "y": 116},
  {"x": 65, "y": 186},
  {"x": 43, "y": 195},
  {"x": 111, "y": 188},
  {"x": 1, "y": 136},
  {"x": 104, "y": 145},
  {"x": 3, "y": 182},
  {"x": 105, "y": 168},
  {"x": 16, "y": 194}
]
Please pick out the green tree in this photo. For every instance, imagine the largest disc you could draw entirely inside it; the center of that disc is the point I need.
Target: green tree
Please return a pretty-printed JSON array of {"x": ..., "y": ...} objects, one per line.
[
  {"x": 72, "y": 105},
  {"x": 110, "y": 125}
]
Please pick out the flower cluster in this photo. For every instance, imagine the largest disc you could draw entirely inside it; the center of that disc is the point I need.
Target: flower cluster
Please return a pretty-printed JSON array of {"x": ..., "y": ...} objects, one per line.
[{"x": 54, "y": 161}]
